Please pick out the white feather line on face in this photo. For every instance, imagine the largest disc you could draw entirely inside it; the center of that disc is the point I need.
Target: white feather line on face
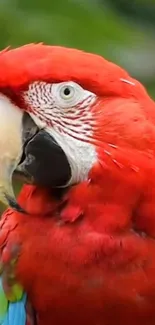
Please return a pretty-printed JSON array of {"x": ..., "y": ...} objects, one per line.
[
  {"x": 81, "y": 155},
  {"x": 71, "y": 124}
]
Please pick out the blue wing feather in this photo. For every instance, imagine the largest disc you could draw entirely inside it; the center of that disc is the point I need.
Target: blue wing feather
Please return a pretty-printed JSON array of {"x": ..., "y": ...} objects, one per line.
[{"x": 15, "y": 312}]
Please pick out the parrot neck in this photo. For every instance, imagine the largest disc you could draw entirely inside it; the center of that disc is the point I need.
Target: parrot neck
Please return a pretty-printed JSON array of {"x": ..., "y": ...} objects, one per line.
[{"x": 101, "y": 202}]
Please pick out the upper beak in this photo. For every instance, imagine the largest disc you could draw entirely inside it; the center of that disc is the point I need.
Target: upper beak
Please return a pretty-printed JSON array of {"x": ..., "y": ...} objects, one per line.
[
  {"x": 28, "y": 152},
  {"x": 16, "y": 127}
]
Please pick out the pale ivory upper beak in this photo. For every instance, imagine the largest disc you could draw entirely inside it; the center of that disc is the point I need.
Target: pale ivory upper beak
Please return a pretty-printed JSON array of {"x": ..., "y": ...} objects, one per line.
[{"x": 11, "y": 147}]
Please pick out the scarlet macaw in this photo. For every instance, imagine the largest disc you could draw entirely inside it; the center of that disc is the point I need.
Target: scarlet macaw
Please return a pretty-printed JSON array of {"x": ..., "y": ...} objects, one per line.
[{"x": 80, "y": 241}]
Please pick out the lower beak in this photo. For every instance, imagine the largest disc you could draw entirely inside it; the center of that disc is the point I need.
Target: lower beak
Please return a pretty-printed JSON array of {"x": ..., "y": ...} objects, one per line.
[{"x": 45, "y": 163}]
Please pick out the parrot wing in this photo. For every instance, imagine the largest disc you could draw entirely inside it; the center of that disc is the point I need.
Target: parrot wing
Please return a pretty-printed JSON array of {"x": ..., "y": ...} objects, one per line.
[
  {"x": 12, "y": 313},
  {"x": 13, "y": 300}
]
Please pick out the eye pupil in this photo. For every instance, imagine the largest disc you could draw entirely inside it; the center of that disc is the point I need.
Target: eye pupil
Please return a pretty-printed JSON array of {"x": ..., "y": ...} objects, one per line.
[{"x": 67, "y": 91}]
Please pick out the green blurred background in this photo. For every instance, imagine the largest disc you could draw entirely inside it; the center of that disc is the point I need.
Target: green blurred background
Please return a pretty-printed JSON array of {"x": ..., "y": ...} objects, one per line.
[{"x": 120, "y": 30}]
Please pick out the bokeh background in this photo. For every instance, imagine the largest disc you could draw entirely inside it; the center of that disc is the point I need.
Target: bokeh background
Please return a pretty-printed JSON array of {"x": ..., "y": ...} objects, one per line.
[{"x": 121, "y": 30}]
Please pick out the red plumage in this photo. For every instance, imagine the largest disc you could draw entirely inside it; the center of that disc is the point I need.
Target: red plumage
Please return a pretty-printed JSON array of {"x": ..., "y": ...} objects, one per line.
[
  {"x": 88, "y": 257},
  {"x": 54, "y": 63}
]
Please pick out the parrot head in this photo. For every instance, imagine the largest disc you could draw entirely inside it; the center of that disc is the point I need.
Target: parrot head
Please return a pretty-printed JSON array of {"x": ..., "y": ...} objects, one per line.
[{"x": 63, "y": 112}]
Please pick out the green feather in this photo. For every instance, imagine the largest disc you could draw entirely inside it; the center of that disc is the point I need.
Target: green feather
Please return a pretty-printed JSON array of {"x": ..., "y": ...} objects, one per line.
[
  {"x": 3, "y": 303},
  {"x": 15, "y": 293}
]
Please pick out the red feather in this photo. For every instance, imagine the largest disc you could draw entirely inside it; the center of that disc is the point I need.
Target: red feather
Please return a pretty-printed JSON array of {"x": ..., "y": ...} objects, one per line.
[{"x": 20, "y": 66}]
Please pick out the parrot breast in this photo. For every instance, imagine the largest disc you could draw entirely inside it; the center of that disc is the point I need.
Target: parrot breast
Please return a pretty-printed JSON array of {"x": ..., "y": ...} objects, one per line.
[{"x": 79, "y": 265}]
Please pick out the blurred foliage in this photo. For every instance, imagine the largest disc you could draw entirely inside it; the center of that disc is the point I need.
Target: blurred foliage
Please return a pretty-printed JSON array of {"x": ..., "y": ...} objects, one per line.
[
  {"x": 141, "y": 10},
  {"x": 120, "y": 30}
]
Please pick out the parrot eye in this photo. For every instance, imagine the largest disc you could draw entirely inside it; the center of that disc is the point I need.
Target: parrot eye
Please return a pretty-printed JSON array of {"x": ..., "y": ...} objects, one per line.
[{"x": 68, "y": 94}]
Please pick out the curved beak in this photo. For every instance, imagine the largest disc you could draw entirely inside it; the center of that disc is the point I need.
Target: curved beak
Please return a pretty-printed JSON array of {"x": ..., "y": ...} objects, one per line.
[
  {"x": 16, "y": 127},
  {"x": 29, "y": 153}
]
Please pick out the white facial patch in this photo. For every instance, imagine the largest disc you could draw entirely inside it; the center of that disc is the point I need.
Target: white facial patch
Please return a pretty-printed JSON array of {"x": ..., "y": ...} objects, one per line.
[
  {"x": 81, "y": 155},
  {"x": 64, "y": 111}
]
